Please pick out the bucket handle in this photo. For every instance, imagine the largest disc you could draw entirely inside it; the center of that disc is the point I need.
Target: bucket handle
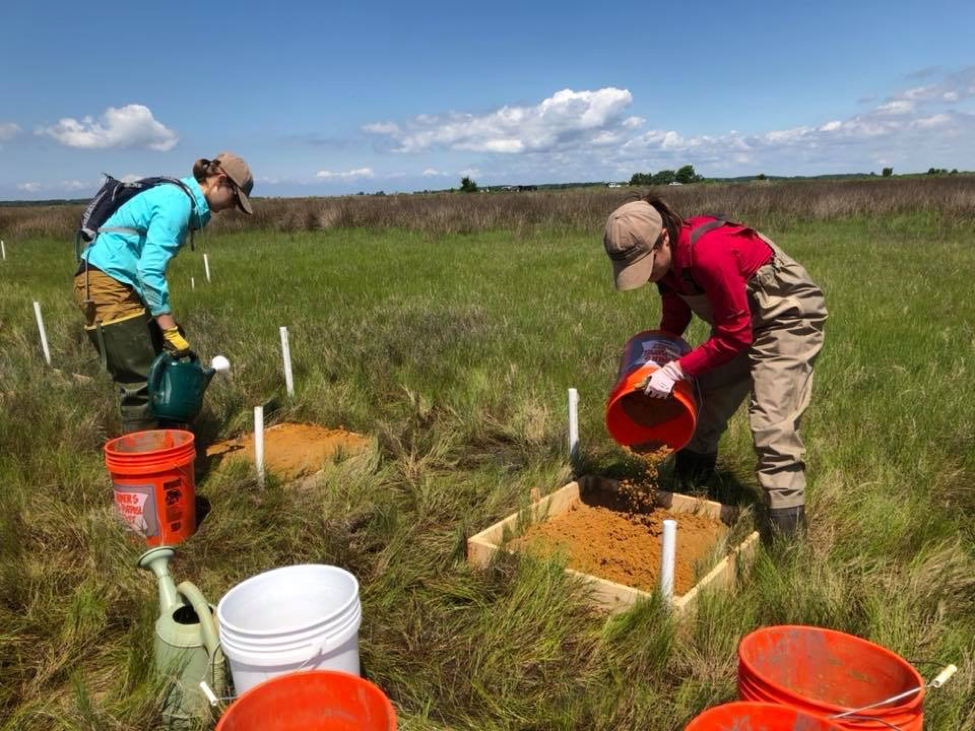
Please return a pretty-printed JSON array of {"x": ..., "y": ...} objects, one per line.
[
  {"x": 319, "y": 649},
  {"x": 856, "y": 713}
]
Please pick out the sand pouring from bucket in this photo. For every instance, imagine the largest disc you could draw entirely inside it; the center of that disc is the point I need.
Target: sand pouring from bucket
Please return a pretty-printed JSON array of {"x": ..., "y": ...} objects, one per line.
[
  {"x": 639, "y": 421},
  {"x": 187, "y": 646}
]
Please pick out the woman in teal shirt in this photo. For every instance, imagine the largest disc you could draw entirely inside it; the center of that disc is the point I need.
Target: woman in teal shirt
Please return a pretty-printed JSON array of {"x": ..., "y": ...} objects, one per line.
[{"x": 121, "y": 283}]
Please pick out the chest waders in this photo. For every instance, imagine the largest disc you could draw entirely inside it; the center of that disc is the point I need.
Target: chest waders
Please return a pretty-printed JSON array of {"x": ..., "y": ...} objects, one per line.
[
  {"x": 117, "y": 322},
  {"x": 127, "y": 339},
  {"x": 788, "y": 314}
]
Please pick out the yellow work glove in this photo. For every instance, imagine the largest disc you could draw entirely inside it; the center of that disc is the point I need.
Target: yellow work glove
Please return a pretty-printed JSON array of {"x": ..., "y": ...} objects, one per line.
[{"x": 174, "y": 342}]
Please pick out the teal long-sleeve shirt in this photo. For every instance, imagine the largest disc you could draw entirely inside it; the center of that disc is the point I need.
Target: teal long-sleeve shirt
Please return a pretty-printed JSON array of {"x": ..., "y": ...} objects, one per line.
[{"x": 162, "y": 216}]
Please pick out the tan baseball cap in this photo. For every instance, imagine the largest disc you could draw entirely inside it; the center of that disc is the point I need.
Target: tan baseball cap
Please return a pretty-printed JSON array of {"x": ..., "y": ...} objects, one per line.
[
  {"x": 630, "y": 233},
  {"x": 237, "y": 170}
]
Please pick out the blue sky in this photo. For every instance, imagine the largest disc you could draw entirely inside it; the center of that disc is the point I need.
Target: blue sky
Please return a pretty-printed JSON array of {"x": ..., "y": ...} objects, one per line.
[{"x": 326, "y": 98}]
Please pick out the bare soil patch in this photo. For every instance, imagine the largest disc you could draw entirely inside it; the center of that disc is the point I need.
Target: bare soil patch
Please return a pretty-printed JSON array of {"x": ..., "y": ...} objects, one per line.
[
  {"x": 292, "y": 450},
  {"x": 616, "y": 536}
]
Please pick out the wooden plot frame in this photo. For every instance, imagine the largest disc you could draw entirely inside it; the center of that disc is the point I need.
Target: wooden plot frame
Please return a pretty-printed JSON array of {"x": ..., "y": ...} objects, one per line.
[{"x": 608, "y": 594}]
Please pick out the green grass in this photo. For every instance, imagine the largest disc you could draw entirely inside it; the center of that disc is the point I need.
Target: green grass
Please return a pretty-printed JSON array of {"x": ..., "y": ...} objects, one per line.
[{"x": 456, "y": 353}]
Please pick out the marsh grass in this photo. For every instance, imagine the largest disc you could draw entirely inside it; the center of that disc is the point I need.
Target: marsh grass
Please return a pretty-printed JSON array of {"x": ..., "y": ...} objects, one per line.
[{"x": 455, "y": 351}]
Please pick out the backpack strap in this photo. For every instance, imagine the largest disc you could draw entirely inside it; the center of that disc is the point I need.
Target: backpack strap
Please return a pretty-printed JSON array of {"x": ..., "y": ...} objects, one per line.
[
  {"x": 120, "y": 230},
  {"x": 189, "y": 194},
  {"x": 138, "y": 231},
  {"x": 690, "y": 286}
]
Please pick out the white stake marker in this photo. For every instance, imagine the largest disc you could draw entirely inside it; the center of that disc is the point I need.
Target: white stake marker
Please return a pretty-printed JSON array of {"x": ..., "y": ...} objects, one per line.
[
  {"x": 573, "y": 423},
  {"x": 206, "y": 266},
  {"x": 668, "y": 557},
  {"x": 3, "y": 250},
  {"x": 259, "y": 443},
  {"x": 40, "y": 329},
  {"x": 192, "y": 282},
  {"x": 289, "y": 380}
]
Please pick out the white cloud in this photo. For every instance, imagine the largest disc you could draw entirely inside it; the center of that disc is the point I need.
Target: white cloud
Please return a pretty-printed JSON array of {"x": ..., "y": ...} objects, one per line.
[
  {"x": 76, "y": 185},
  {"x": 29, "y": 187},
  {"x": 346, "y": 175},
  {"x": 432, "y": 173},
  {"x": 897, "y": 106},
  {"x": 8, "y": 130},
  {"x": 562, "y": 121},
  {"x": 119, "y": 127}
]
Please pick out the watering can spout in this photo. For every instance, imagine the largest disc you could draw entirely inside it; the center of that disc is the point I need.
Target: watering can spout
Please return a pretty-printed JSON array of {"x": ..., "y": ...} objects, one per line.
[{"x": 156, "y": 560}]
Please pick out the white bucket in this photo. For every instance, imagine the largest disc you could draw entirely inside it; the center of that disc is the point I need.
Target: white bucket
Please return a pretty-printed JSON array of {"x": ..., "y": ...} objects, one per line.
[{"x": 292, "y": 618}]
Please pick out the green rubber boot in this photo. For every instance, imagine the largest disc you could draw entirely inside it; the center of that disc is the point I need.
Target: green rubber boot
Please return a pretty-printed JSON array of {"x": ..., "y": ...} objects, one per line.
[{"x": 127, "y": 348}]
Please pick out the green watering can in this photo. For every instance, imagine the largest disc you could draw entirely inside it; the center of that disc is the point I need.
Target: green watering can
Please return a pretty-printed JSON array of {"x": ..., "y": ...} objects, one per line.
[
  {"x": 177, "y": 385},
  {"x": 187, "y": 644}
]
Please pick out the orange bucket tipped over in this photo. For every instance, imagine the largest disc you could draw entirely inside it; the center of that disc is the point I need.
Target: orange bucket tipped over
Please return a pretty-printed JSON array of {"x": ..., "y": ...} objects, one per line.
[{"x": 638, "y": 421}]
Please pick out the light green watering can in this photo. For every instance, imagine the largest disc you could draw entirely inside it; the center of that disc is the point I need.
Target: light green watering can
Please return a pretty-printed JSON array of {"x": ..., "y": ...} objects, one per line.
[{"x": 187, "y": 646}]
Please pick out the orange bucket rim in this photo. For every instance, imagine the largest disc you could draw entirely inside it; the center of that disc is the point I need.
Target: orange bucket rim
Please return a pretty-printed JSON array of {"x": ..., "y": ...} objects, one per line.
[
  {"x": 828, "y": 723},
  {"x": 624, "y": 387},
  {"x": 888, "y": 710},
  {"x": 295, "y": 675},
  {"x": 188, "y": 439}
]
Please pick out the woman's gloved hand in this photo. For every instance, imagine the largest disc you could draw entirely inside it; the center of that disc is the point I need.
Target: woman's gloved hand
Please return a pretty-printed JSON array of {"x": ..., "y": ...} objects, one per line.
[
  {"x": 661, "y": 381},
  {"x": 174, "y": 341}
]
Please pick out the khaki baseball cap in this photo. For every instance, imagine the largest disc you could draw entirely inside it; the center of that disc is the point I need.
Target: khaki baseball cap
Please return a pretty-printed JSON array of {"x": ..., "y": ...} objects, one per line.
[
  {"x": 237, "y": 170},
  {"x": 630, "y": 233}
]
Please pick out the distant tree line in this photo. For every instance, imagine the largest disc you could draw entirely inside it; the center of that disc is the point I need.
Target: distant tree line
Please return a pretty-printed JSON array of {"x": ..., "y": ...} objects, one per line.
[{"x": 684, "y": 176}]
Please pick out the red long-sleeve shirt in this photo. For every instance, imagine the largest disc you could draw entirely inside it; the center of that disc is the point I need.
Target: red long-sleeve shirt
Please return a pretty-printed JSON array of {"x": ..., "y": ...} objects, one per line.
[{"x": 723, "y": 261}]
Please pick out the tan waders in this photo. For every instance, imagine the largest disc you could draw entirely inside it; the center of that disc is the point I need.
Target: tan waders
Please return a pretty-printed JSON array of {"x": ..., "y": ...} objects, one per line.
[
  {"x": 126, "y": 338},
  {"x": 788, "y": 315}
]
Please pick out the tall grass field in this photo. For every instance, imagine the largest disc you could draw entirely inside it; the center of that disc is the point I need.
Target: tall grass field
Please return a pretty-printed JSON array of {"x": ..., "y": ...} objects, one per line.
[{"x": 449, "y": 328}]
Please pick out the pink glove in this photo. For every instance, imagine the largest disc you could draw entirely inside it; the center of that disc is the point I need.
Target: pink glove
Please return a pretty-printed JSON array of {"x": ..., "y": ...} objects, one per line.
[{"x": 661, "y": 381}]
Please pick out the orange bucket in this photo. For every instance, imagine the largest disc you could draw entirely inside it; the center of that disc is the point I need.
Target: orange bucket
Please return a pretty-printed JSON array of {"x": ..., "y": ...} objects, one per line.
[
  {"x": 758, "y": 717},
  {"x": 825, "y": 672},
  {"x": 154, "y": 484},
  {"x": 636, "y": 420},
  {"x": 311, "y": 700}
]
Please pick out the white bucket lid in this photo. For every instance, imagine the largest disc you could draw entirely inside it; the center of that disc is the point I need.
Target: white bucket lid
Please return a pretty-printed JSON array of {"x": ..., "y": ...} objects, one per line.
[{"x": 293, "y": 600}]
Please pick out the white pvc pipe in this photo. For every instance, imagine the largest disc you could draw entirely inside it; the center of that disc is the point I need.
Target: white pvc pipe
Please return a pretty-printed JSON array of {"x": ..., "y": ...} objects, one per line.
[
  {"x": 3, "y": 250},
  {"x": 206, "y": 266},
  {"x": 40, "y": 329},
  {"x": 259, "y": 443},
  {"x": 289, "y": 380},
  {"x": 573, "y": 423},
  {"x": 192, "y": 282},
  {"x": 668, "y": 557}
]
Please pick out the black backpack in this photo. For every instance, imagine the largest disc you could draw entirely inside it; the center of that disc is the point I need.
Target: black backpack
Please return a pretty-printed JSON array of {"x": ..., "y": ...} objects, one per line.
[{"x": 109, "y": 199}]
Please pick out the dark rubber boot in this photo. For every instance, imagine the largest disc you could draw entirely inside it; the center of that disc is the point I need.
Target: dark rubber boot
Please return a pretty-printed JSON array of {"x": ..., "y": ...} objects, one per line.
[
  {"x": 127, "y": 348},
  {"x": 787, "y": 523},
  {"x": 692, "y": 469}
]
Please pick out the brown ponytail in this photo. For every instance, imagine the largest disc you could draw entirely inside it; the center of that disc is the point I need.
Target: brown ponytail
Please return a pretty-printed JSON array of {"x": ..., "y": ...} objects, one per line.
[
  {"x": 203, "y": 169},
  {"x": 671, "y": 218}
]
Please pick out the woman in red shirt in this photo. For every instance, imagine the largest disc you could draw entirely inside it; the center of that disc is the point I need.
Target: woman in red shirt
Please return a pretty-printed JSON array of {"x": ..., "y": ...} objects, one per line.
[{"x": 766, "y": 316}]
